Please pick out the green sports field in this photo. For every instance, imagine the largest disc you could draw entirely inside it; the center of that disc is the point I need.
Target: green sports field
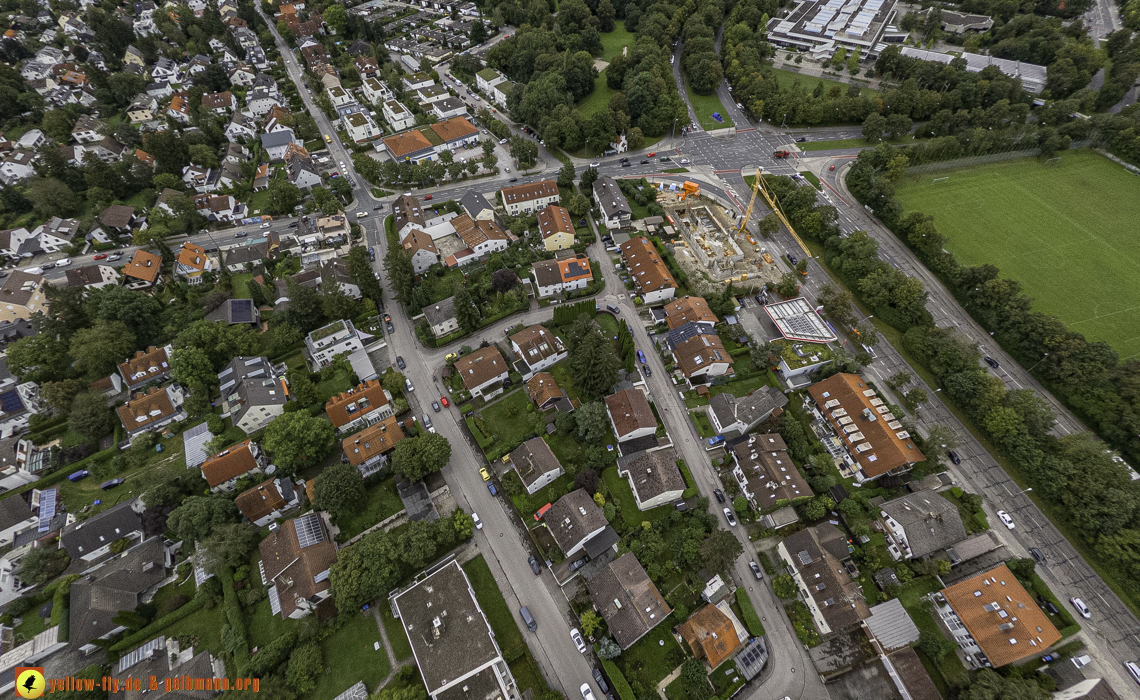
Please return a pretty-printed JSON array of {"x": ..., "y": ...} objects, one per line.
[{"x": 1070, "y": 234}]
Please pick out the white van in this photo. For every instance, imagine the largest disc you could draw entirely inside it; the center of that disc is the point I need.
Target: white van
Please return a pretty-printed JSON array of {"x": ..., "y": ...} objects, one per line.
[
  {"x": 1133, "y": 670},
  {"x": 34, "y": 270},
  {"x": 361, "y": 214}
]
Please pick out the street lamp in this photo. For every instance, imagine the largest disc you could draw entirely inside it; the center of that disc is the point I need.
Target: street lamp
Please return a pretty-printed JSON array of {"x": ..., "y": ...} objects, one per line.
[{"x": 1038, "y": 362}]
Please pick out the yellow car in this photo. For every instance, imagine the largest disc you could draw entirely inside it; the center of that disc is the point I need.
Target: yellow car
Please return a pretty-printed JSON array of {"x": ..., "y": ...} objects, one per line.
[
  {"x": 451, "y": 356},
  {"x": 483, "y": 473},
  {"x": 328, "y": 139}
]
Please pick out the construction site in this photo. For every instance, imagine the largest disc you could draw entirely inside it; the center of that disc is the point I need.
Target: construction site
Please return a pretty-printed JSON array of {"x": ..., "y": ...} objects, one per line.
[{"x": 710, "y": 243}]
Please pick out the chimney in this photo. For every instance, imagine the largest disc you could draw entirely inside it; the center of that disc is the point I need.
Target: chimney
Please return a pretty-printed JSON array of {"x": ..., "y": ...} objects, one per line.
[{"x": 436, "y": 627}]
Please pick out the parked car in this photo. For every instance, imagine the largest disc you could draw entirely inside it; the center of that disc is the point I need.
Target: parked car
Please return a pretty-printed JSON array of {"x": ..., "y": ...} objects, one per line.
[
  {"x": 719, "y": 495},
  {"x": 1006, "y": 519},
  {"x": 685, "y": 161},
  {"x": 648, "y": 371},
  {"x": 578, "y": 564},
  {"x": 792, "y": 259},
  {"x": 108, "y": 485},
  {"x": 44, "y": 266},
  {"x": 587, "y": 694},
  {"x": 1049, "y": 657},
  {"x": 476, "y": 520},
  {"x": 578, "y": 641},
  {"x": 1081, "y": 607},
  {"x": 644, "y": 161},
  {"x": 534, "y": 566},
  {"x": 408, "y": 385},
  {"x": 728, "y": 515},
  {"x": 1037, "y": 554},
  {"x": 756, "y": 570},
  {"x": 114, "y": 256},
  {"x": 78, "y": 476},
  {"x": 954, "y": 457},
  {"x": 435, "y": 406},
  {"x": 400, "y": 362},
  {"x": 485, "y": 474},
  {"x": 443, "y": 400},
  {"x": 801, "y": 139},
  {"x": 63, "y": 263},
  {"x": 491, "y": 487},
  {"x": 641, "y": 357},
  {"x": 991, "y": 362},
  {"x": 100, "y": 256},
  {"x": 595, "y": 164},
  {"x": 388, "y": 327},
  {"x": 716, "y": 440},
  {"x": 601, "y": 680}
]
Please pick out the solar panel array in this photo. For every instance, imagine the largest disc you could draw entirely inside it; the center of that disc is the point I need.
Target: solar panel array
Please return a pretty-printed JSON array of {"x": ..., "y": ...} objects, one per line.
[
  {"x": 309, "y": 530},
  {"x": 851, "y": 17},
  {"x": 144, "y": 652},
  {"x": 47, "y": 509},
  {"x": 752, "y": 658},
  {"x": 10, "y": 402},
  {"x": 241, "y": 310}
]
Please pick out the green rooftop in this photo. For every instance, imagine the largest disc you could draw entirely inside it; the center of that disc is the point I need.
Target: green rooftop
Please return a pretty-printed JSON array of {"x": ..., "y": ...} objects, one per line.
[
  {"x": 798, "y": 354},
  {"x": 432, "y": 137},
  {"x": 488, "y": 74}
]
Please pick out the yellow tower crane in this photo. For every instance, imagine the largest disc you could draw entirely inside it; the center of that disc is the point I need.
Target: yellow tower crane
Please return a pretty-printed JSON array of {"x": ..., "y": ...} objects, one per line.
[{"x": 759, "y": 186}]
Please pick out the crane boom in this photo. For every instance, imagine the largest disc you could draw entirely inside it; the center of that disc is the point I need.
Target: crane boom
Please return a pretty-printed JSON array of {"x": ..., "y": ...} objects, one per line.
[{"x": 760, "y": 186}]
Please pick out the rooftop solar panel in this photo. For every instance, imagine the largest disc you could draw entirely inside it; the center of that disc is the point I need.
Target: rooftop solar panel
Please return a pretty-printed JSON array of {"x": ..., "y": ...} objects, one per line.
[
  {"x": 47, "y": 509},
  {"x": 241, "y": 310},
  {"x": 10, "y": 402},
  {"x": 309, "y": 530},
  {"x": 144, "y": 652}
]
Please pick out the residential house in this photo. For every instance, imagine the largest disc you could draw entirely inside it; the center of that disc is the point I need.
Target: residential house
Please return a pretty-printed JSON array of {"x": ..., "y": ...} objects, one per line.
[
  {"x": 165, "y": 658},
  {"x": 264, "y": 503},
  {"x": 261, "y": 178},
  {"x": 142, "y": 109},
  {"x": 299, "y": 165},
  {"x": 150, "y": 365},
  {"x": 337, "y": 338},
  {"x": 481, "y": 237},
  {"x": 918, "y": 525},
  {"x": 556, "y": 229},
  {"x": 152, "y": 411},
  {"x": 108, "y": 150},
  {"x": 92, "y": 276},
  {"x": 814, "y": 557},
  {"x": 648, "y": 271},
  {"x": 179, "y": 108},
  {"x": 313, "y": 53},
  {"x": 874, "y": 441},
  {"x": 451, "y": 639},
  {"x": 653, "y": 475},
  {"x": 397, "y": 115},
  {"x": 573, "y": 520},
  {"x": 221, "y": 471},
  {"x": 421, "y": 249},
  {"x": 253, "y": 392},
  {"x": 260, "y": 101},
  {"x": 690, "y": 309},
  {"x": 220, "y": 103},
  {"x": 167, "y": 70},
  {"x": 368, "y": 449},
  {"x": 144, "y": 270},
  {"x": 32, "y": 140},
  {"x": 15, "y": 517},
  {"x": 360, "y": 127},
  {"x": 339, "y": 97},
  {"x": 21, "y": 296},
  {"x": 375, "y": 91},
  {"x": 535, "y": 464},
  {"x": 529, "y": 197},
  {"x": 536, "y": 349},
  {"x": 200, "y": 178},
  {"x": 14, "y": 241},
  {"x": 738, "y": 415},
  {"x": 711, "y": 635},
  {"x": 702, "y": 358},
  {"x": 366, "y": 67},
  {"x": 295, "y": 562},
  {"x": 766, "y": 474},
  {"x": 483, "y": 372},
  {"x": 362, "y": 406},
  {"x": 616, "y": 212},
  {"x": 627, "y": 600},
  {"x": 411, "y": 146},
  {"x": 440, "y": 317},
  {"x": 56, "y": 234},
  {"x": 335, "y": 272},
  {"x": 236, "y": 312},
  {"x": 91, "y": 539},
  {"x": 242, "y": 75},
  {"x": 425, "y": 96},
  {"x": 88, "y": 129},
  {"x": 121, "y": 218},
  {"x": 415, "y": 81},
  {"x": 407, "y": 214},
  {"x": 556, "y": 276},
  {"x": 994, "y": 620},
  {"x": 121, "y": 584},
  {"x": 242, "y": 127},
  {"x": 224, "y": 207},
  {"x": 455, "y": 133},
  {"x": 543, "y": 390},
  {"x": 448, "y": 107},
  {"x": 477, "y": 207},
  {"x": 277, "y": 142},
  {"x": 488, "y": 78},
  {"x": 192, "y": 262},
  {"x": 630, "y": 415}
]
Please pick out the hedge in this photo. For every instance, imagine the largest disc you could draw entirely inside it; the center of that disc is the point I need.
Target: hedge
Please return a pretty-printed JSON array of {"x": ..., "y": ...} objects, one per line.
[
  {"x": 484, "y": 442},
  {"x": 621, "y": 686},
  {"x": 47, "y": 435},
  {"x": 690, "y": 484},
  {"x": 60, "y": 474},
  {"x": 59, "y": 601},
  {"x": 270, "y": 656},
  {"x": 748, "y": 612},
  {"x": 158, "y": 625},
  {"x": 234, "y": 617}
]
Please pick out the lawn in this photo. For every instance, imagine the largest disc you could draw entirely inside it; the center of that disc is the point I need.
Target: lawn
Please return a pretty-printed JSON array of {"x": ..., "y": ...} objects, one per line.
[
  {"x": 740, "y": 387},
  {"x": 261, "y": 625},
  {"x": 159, "y": 468},
  {"x": 258, "y": 202},
  {"x": 608, "y": 323},
  {"x": 381, "y": 501},
  {"x": 205, "y": 626},
  {"x": 241, "y": 285},
  {"x": 834, "y": 145},
  {"x": 615, "y": 41},
  {"x": 1067, "y": 235},
  {"x": 597, "y": 100},
  {"x": 547, "y": 494},
  {"x": 350, "y": 656},
  {"x": 787, "y": 78},
  {"x": 701, "y": 420},
  {"x": 329, "y": 388},
  {"x": 648, "y": 661},
  {"x": 401, "y": 647},
  {"x": 704, "y": 106},
  {"x": 507, "y": 633},
  {"x": 950, "y": 670},
  {"x": 506, "y": 421}
]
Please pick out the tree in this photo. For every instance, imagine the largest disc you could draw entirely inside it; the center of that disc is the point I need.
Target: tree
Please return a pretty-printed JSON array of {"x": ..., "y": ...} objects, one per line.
[
  {"x": 988, "y": 685},
  {"x": 338, "y": 489},
  {"x": 283, "y": 196},
  {"x": 298, "y": 440},
  {"x": 415, "y": 458},
  {"x": 227, "y": 546},
  {"x": 873, "y": 127},
  {"x": 524, "y": 151},
  {"x": 784, "y": 586},
  {"x": 590, "y": 622},
  {"x": 42, "y": 564},
  {"x": 608, "y": 649},
  {"x": 197, "y": 517},
  {"x": 566, "y": 176},
  {"x": 593, "y": 423},
  {"x": 57, "y": 123},
  {"x": 190, "y": 366},
  {"x": 219, "y": 342},
  {"x": 694, "y": 680},
  {"x": 818, "y": 507},
  {"x": 306, "y": 663},
  {"x": 335, "y": 17},
  {"x": 466, "y": 310},
  {"x": 90, "y": 416},
  {"x": 303, "y": 389},
  {"x": 719, "y": 550},
  {"x": 99, "y": 349},
  {"x": 51, "y": 197},
  {"x": 593, "y": 363},
  {"x": 935, "y": 645},
  {"x": 59, "y": 395}
]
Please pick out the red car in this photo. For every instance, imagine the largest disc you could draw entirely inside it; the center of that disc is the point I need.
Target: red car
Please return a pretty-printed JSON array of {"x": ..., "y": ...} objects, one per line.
[
  {"x": 427, "y": 198},
  {"x": 832, "y": 168},
  {"x": 652, "y": 154},
  {"x": 443, "y": 400},
  {"x": 100, "y": 256}
]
